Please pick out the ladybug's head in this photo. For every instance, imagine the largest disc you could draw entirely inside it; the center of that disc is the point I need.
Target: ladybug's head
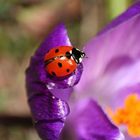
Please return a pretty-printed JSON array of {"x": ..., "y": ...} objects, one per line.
[{"x": 77, "y": 55}]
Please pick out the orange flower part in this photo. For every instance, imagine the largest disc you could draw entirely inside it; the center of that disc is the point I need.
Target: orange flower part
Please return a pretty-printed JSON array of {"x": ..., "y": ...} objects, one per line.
[{"x": 129, "y": 115}]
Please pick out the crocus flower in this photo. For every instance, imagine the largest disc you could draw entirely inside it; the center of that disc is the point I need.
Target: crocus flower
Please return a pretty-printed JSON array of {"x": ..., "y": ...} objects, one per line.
[{"x": 110, "y": 75}]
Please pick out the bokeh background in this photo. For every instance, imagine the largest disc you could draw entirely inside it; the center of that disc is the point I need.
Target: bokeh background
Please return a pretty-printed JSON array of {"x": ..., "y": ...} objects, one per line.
[{"x": 23, "y": 25}]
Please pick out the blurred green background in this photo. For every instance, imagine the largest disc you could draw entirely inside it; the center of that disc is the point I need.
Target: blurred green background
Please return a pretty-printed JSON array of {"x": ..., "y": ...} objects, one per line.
[{"x": 23, "y": 25}]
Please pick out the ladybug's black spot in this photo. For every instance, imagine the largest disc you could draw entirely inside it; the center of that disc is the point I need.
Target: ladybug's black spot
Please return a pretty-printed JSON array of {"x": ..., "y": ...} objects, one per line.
[
  {"x": 53, "y": 73},
  {"x": 59, "y": 64},
  {"x": 68, "y": 70},
  {"x": 57, "y": 50},
  {"x": 68, "y": 55}
]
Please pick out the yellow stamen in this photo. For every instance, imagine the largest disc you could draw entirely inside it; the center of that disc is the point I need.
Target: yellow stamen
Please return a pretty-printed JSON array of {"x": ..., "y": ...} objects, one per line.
[{"x": 129, "y": 115}]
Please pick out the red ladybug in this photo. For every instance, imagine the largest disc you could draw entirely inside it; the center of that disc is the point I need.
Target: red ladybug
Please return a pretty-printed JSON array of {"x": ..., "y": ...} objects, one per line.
[{"x": 63, "y": 60}]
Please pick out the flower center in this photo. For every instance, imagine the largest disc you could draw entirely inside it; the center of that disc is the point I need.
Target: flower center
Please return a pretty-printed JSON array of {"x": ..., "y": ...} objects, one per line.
[{"x": 129, "y": 115}]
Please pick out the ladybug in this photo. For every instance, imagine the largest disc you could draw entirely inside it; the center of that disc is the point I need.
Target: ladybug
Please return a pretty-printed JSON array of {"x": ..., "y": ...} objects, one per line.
[{"x": 63, "y": 60}]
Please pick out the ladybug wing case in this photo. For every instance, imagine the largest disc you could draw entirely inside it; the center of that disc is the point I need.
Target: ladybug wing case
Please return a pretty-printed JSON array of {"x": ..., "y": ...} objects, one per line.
[{"x": 61, "y": 66}]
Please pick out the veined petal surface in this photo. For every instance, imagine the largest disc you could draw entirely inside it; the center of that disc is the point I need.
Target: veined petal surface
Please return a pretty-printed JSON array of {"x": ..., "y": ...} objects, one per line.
[
  {"x": 89, "y": 122},
  {"x": 111, "y": 51}
]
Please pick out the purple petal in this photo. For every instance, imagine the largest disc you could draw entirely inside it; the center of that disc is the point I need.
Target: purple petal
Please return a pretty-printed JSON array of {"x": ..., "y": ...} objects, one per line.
[
  {"x": 91, "y": 123},
  {"x": 46, "y": 95},
  {"x": 49, "y": 114},
  {"x": 111, "y": 51},
  {"x": 47, "y": 107},
  {"x": 106, "y": 88},
  {"x": 46, "y": 130},
  {"x": 131, "y": 12},
  {"x": 122, "y": 94}
]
